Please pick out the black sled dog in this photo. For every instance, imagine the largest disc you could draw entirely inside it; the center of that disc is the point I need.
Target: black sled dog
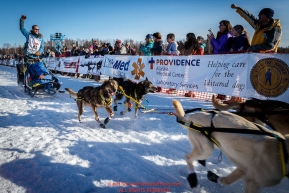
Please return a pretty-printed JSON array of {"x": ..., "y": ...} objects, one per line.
[{"x": 134, "y": 92}]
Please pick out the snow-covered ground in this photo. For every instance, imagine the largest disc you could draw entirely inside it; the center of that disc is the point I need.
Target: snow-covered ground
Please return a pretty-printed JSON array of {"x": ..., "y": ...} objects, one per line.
[{"x": 43, "y": 147}]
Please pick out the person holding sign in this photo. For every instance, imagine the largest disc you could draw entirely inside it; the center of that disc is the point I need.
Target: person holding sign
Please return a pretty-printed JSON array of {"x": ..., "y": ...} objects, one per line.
[{"x": 268, "y": 31}]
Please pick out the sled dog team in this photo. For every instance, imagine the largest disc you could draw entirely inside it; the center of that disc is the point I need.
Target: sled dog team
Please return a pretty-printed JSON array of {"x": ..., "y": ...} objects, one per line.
[
  {"x": 260, "y": 154},
  {"x": 98, "y": 97}
]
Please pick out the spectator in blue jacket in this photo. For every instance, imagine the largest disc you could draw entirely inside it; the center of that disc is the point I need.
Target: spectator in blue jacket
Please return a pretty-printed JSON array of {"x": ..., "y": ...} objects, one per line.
[
  {"x": 34, "y": 44},
  {"x": 220, "y": 44},
  {"x": 201, "y": 42},
  {"x": 172, "y": 46},
  {"x": 146, "y": 49}
]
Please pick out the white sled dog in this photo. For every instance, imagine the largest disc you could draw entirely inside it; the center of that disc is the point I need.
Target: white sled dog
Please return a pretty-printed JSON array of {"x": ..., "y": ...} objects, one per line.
[{"x": 260, "y": 159}]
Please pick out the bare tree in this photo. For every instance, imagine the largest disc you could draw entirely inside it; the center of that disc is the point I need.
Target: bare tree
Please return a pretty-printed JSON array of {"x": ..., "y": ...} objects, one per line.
[{"x": 6, "y": 47}]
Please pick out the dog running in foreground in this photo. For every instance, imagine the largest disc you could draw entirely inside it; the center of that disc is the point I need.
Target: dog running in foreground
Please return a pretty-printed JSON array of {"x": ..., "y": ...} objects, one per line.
[
  {"x": 95, "y": 97},
  {"x": 261, "y": 160},
  {"x": 271, "y": 112},
  {"x": 133, "y": 92}
]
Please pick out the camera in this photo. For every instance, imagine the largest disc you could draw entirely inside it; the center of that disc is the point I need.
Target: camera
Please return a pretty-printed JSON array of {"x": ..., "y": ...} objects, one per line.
[{"x": 210, "y": 31}]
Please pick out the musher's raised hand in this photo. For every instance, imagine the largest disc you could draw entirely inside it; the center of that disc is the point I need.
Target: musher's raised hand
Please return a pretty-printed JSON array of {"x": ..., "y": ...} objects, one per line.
[{"x": 23, "y": 17}]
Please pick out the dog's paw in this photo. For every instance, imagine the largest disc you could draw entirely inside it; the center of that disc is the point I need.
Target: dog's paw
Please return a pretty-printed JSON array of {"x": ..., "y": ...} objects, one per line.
[
  {"x": 193, "y": 180},
  {"x": 212, "y": 177},
  {"x": 115, "y": 108},
  {"x": 121, "y": 113},
  {"x": 107, "y": 120},
  {"x": 102, "y": 125}
]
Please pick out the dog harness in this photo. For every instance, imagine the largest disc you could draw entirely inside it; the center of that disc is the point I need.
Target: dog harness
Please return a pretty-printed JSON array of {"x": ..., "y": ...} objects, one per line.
[
  {"x": 134, "y": 99},
  {"x": 106, "y": 103},
  {"x": 207, "y": 131}
]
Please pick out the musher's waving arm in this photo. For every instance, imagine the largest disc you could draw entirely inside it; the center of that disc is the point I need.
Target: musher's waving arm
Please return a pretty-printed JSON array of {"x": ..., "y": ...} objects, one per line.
[
  {"x": 34, "y": 44},
  {"x": 268, "y": 31}
]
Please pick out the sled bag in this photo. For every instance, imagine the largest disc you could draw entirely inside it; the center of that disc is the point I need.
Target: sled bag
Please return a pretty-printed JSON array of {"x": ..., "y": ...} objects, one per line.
[{"x": 37, "y": 69}]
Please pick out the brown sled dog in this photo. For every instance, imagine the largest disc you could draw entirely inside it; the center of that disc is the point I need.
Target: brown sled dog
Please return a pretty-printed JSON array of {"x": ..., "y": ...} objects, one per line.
[
  {"x": 95, "y": 97},
  {"x": 250, "y": 152},
  {"x": 135, "y": 92},
  {"x": 271, "y": 112}
]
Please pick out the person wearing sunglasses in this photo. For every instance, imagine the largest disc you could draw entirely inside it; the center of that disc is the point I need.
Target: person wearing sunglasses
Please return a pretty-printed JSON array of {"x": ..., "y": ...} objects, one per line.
[{"x": 34, "y": 44}]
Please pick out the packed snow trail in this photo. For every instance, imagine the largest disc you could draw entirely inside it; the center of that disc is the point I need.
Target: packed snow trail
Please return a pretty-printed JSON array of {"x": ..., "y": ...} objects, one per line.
[{"x": 43, "y": 147}]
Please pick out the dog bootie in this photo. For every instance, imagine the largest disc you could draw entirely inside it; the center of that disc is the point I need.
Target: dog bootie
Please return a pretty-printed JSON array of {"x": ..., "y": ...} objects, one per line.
[
  {"x": 193, "y": 180},
  {"x": 115, "y": 108},
  {"x": 212, "y": 177},
  {"x": 106, "y": 120},
  {"x": 102, "y": 125},
  {"x": 202, "y": 162}
]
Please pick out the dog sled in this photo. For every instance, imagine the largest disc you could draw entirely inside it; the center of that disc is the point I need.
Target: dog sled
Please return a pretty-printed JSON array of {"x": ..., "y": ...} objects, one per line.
[{"x": 35, "y": 77}]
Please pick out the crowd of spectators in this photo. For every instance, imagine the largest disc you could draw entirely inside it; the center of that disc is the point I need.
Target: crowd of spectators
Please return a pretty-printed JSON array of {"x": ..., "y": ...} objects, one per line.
[{"x": 228, "y": 39}]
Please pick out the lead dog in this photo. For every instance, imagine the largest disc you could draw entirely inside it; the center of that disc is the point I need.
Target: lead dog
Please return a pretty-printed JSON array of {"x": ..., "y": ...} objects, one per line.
[
  {"x": 271, "y": 112},
  {"x": 134, "y": 92},
  {"x": 95, "y": 97},
  {"x": 258, "y": 158}
]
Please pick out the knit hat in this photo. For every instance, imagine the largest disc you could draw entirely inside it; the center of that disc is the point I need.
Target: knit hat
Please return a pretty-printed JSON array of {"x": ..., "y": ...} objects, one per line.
[
  {"x": 118, "y": 41},
  {"x": 268, "y": 12},
  {"x": 150, "y": 36}
]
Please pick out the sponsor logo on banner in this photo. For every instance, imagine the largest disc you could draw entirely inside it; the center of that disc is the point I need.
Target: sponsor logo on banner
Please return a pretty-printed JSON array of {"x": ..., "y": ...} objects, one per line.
[
  {"x": 270, "y": 77},
  {"x": 70, "y": 64},
  {"x": 119, "y": 66},
  {"x": 138, "y": 66},
  {"x": 174, "y": 62}
]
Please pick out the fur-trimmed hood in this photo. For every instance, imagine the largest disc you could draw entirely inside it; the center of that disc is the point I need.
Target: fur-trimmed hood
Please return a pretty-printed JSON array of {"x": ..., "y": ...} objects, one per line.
[{"x": 39, "y": 35}]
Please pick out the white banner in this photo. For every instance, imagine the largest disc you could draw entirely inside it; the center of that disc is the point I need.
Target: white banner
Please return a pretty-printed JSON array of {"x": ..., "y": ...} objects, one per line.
[
  {"x": 77, "y": 64},
  {"x": 52, "y": 63},
  {"x": 68, "y": 64},
  {"x": 263, "y": 76},
  {"x": 90, "y": 65},
  {"x": 228, "y": 74},
  {"x": 268, "y": 77}
]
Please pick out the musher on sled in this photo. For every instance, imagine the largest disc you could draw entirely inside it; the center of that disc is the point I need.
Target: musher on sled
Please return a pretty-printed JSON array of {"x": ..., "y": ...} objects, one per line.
[{"x": 33, "y": 73}]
